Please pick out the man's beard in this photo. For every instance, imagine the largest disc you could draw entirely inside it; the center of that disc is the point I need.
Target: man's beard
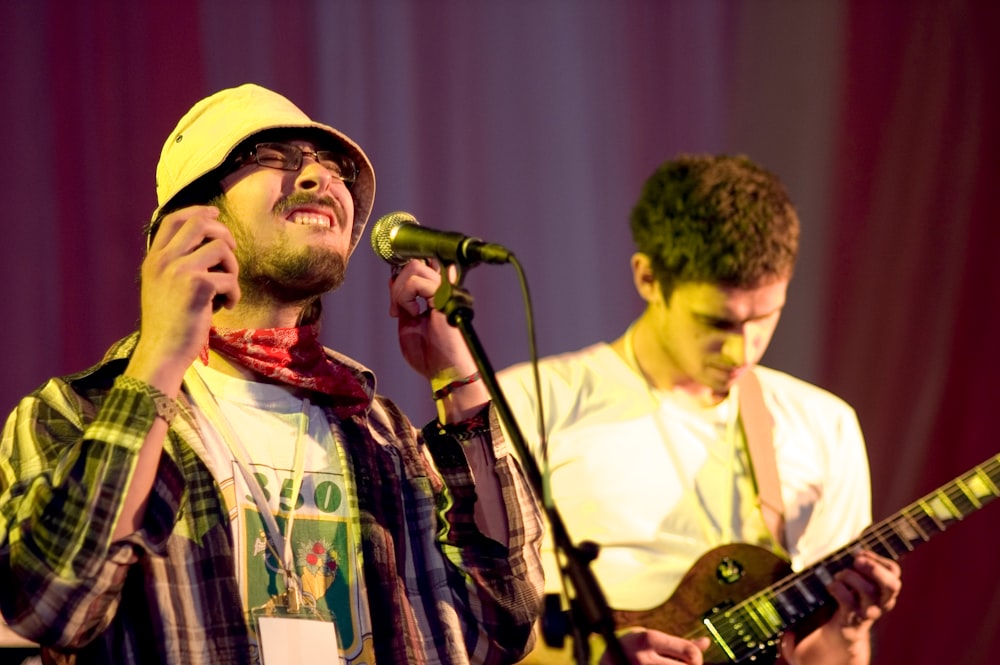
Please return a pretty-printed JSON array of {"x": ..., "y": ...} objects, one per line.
[
  {"x": 289, "y": 275},
  {"x": 280, "y": 272}
]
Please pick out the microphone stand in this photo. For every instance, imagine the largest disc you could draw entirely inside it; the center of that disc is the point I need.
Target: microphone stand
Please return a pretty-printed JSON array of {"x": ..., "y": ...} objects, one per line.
[{"x": 590, "y": 609}]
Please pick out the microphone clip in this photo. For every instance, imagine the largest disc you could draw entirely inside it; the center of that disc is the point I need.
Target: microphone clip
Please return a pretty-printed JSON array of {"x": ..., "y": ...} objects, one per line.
[{"x": 451, "y": 298}]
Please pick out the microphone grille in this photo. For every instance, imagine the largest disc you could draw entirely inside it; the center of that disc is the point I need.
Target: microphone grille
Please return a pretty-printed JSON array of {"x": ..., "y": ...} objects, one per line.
[{"x": 382, "y": 233}]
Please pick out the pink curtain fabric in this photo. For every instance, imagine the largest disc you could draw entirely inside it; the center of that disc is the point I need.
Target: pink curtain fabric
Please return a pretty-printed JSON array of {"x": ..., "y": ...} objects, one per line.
[
  {"x": 533, "y": 124},
  {"x": 911, "y": 314}
]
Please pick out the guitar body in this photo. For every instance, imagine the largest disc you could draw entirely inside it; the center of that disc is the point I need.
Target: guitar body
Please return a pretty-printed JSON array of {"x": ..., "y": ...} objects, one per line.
[{"x": 719, "y": 579}]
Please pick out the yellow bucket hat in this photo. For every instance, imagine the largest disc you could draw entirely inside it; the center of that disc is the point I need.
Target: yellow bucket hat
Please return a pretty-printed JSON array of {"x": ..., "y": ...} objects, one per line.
[{"x": 206, "y": 135}]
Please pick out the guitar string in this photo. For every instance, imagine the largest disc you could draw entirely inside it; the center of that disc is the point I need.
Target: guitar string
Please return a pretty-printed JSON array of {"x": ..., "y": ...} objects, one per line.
[
  {"x": 873, "y": 538},
  {"x": 735, "y": 639}
]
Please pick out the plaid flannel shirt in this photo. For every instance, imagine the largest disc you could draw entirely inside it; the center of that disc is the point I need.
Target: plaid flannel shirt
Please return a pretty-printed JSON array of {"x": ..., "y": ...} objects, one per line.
[{"x": 439, "y": 590}]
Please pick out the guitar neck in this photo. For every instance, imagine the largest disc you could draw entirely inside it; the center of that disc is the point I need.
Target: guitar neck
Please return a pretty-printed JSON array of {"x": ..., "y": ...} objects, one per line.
[{"x": 751, "y": 626}]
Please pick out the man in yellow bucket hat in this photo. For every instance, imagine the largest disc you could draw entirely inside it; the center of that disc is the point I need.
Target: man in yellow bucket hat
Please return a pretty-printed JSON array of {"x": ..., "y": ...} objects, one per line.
[{"x": 221, "y": 488}]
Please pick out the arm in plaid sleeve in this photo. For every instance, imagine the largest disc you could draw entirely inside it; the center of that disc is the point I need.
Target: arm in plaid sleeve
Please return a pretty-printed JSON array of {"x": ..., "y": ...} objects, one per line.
[
  {"x": 503, "y": 580},
  {"x": 65, "y": 462}
]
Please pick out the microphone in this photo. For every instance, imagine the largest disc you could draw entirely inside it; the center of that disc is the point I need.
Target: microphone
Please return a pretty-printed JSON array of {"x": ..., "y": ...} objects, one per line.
[{"x": 398, "y": 237}]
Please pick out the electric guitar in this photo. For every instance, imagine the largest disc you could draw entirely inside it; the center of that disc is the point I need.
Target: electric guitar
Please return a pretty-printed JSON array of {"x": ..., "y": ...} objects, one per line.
[{"x": 775, "y": 600}]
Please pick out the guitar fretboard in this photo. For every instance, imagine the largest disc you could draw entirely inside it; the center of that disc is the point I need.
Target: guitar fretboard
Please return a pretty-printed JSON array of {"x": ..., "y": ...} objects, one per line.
[{"x": 750, "y": 628}]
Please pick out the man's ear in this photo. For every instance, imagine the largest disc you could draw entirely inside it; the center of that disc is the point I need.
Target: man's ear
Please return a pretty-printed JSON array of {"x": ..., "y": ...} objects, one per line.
[{"x": 643, "y": 278}]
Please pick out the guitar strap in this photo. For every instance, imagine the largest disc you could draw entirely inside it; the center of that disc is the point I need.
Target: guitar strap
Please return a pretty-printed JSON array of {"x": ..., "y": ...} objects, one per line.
[{"x": 758, "y": 427}]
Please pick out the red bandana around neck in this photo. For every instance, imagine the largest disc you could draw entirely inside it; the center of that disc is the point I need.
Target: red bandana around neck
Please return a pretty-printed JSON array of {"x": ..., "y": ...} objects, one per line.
[{"x": 293, "y": 356}]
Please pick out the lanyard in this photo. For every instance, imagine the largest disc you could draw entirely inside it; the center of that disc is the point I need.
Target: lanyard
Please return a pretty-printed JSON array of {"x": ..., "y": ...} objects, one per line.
[{"x": 279, "y": 544}]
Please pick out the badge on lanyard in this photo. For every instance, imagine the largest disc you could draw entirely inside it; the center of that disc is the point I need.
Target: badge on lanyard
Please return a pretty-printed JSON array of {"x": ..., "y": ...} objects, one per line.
[{"x": 290, "y": 632}]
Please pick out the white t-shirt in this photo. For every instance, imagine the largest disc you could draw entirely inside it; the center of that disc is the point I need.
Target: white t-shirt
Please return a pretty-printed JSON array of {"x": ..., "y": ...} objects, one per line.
[
  {"x": 326, "y": 543},
  {"x": 653, "y": 480}
]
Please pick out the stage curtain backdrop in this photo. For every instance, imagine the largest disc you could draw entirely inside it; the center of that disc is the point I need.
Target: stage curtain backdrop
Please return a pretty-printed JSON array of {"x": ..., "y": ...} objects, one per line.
[{"x": 533, "y": 124}]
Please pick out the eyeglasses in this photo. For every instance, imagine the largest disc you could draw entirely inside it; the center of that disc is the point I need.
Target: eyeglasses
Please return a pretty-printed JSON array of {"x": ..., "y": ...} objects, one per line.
[{"x": 288, "y": 157}]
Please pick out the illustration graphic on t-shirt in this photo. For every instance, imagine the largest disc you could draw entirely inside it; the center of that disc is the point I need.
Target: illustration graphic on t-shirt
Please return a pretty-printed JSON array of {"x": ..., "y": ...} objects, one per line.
[{"x": 322, "y": 554}]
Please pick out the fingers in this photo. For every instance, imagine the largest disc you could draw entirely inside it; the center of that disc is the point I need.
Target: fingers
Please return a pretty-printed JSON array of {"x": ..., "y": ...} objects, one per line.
[
  {"x": 786, "y": 646},
  {"x": 190, "y": 265},
  {"x": 190, "y": 227},
  {"x": 412, "y": 287},
  {"x": 430, "y": 343},
  {"x": 884, "y": 573},
  {"x": 193, "y": 251},
  {"x": 866, "y": 591},
  {"x": 655, "y": 647}
]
